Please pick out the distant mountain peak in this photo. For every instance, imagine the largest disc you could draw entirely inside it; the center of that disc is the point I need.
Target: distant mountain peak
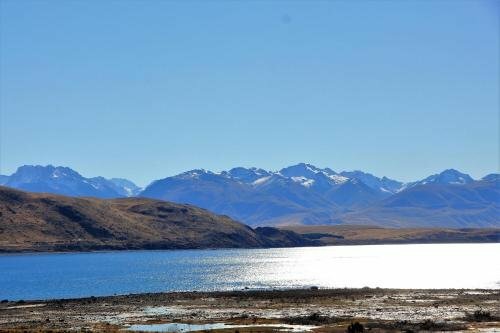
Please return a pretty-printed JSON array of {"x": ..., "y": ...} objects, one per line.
[
  {"x": 64, "y": 180},
  {"x": 384, "y": 184},
  {"x": 31, "y": 173},
  {"x": 451, "y": 172},
  {"x": 492, "y": 177},
  {"x": 312, "y": 173},
  {"x": 449, "y": 176},
  {"x": 446, "y": 177},
  {"x": 245, "y": 175},
  {"x": 195, "y": 173},
  {"x": 295, "y": 170},
  {"x": 302, "y": 167}
]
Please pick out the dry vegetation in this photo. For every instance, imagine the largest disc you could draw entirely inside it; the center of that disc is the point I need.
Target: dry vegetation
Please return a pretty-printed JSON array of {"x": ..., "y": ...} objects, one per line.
[
  {"x": 351, "y": 234},
  {"x": 46, "y": 222}
]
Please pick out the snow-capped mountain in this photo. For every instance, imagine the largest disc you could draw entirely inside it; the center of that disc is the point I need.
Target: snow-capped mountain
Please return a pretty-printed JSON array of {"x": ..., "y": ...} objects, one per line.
[
  {"x": 308, "y": 175},
  {"x": 448, "y": 177},
  {"x": 66, "y": 181},
  {"x": 436, "y": 204},
  {"x": 306, "y": 194},
  {"x": 298, "y": 194},
  {"x": 384, "y": 184},
  {"x": 245, "y": 175},
  {"x": 302, "y": 193}
]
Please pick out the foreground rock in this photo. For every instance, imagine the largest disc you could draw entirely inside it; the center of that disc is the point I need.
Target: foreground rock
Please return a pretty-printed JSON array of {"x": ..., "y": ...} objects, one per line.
[{"x": 315, "y": 310}]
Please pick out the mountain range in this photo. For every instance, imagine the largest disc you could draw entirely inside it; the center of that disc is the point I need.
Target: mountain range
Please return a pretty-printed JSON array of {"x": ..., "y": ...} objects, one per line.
[
  {"x": 42, "y": 222},
  {"x": 299, "y": 194}
]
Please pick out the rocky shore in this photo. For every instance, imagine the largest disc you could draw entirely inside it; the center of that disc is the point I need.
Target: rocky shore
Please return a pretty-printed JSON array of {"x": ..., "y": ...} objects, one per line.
[{"x": 314, "y": 310}]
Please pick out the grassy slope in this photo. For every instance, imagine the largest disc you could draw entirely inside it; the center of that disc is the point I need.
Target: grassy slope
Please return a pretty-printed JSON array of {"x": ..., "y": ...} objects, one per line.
[
  {"x": 46, "y": 222},
  {"x": 352, "y": 234}
]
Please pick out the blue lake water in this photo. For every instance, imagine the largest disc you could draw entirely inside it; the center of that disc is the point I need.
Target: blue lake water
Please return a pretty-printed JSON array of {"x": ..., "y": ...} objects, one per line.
[{"x": 44, "y": 276}]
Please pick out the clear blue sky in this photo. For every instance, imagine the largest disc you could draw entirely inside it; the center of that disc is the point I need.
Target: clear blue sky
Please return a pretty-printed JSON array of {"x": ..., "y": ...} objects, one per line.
[{"x": 147, "y": 89}]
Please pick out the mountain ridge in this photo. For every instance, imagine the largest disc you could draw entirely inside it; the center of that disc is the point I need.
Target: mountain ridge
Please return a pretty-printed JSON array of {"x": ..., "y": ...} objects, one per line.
[
  {"x": 298, "y": 194},
  {"x": 66, "y": 181},
  {"x": 307, "y": 195}
]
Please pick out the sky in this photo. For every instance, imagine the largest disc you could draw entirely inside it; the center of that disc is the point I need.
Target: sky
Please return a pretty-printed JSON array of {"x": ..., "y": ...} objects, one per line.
[{"x": 148, "y": 89}]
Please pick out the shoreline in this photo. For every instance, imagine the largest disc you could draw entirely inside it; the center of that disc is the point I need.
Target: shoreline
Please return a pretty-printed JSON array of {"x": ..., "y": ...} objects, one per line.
[
  {"x": 328, "y": 310},
  {"x": 359, "y": 243},
  {"x": 248, "y": 291}
]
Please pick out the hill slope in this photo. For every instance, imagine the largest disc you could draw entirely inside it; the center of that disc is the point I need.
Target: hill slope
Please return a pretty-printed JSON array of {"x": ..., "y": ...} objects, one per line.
[
  {"x": 473, "y": 205},
  {"x": 355, "y": 235},
  {"x": 45, "y": 222}
]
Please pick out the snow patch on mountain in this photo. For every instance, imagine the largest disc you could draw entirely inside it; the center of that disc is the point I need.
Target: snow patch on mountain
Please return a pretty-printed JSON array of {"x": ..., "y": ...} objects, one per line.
[
  {"x": 306, "y": 182},
  {"x": 337, "y": 179},
  {"x": 261, "y": 181}
]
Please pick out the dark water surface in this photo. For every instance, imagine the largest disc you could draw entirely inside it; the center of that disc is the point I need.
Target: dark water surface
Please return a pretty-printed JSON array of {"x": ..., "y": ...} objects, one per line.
[{"x": 44, "y": 276}]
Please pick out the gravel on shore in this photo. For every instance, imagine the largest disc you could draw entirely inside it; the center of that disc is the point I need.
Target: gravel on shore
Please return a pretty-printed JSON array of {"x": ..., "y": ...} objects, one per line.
[{"x": 324, "y": 310}]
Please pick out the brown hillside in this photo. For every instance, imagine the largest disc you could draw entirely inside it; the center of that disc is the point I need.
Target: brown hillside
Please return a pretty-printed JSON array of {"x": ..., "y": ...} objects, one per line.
[
  {"x": 359, "y": 234},
  {"x": 46, "y": 222}
]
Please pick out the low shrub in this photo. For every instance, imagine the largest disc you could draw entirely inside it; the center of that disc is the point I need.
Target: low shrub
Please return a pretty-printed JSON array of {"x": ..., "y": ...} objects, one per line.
[
  {"x": 355, "y": 328},
  {"x": 479, "y": 315},
  {"x": 311, "y": 319}
]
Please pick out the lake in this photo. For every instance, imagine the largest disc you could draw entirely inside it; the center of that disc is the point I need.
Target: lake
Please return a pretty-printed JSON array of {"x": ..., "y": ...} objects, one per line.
[{"x": 67, "y": 275}]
